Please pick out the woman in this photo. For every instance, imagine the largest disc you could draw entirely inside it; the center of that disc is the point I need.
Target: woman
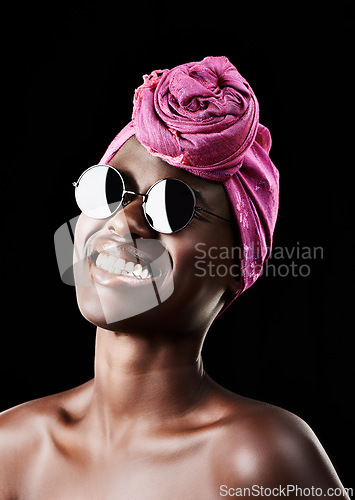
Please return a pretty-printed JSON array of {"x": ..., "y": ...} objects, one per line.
[{"x": 190, "y": 172}]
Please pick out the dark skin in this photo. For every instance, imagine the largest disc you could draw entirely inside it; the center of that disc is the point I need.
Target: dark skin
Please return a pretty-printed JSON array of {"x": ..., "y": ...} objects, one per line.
[{"x": 152, "y": 424}]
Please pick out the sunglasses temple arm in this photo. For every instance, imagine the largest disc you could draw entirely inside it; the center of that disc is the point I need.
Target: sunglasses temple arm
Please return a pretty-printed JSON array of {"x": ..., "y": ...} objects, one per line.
[{"x": 211, "y": 213}]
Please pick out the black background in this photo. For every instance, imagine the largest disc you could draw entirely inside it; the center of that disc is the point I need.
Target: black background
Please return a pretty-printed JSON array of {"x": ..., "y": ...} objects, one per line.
[{"x": 71, "y": 72}]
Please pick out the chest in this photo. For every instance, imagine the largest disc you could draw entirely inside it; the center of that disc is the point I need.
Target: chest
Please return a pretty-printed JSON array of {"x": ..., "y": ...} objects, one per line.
[{"x": 183, "y": 472}]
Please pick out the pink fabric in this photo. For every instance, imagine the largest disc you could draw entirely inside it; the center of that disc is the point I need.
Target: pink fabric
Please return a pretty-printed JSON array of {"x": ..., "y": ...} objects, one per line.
[{"x": 204, "y": 117}]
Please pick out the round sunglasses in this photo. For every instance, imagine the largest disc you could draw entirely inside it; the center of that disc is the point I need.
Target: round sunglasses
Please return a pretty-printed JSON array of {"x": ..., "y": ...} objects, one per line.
[{"x": 169, "y": 205}]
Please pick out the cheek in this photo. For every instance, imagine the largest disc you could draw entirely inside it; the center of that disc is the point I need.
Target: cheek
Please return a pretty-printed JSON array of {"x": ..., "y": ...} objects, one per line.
[
  {"x": 84, "y": 228},
  {"x": 203, "y": 261}
]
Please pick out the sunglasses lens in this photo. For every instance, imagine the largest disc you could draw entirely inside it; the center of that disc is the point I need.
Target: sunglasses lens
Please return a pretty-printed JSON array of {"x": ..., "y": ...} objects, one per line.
[
  {"x": 170, "y": 205},
  {"x": 99, "y": 191}
]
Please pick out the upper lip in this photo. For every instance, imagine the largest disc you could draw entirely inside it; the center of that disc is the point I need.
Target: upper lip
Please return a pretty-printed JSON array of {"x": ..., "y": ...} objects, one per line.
[{"x": 120, "y": 247}]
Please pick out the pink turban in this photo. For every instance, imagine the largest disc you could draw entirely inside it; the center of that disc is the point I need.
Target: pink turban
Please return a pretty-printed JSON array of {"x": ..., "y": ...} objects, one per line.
[{"x": 204, "y": 117}]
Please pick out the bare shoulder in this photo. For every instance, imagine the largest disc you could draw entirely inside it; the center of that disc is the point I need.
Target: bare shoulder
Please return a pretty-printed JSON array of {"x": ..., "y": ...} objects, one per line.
[
  {"x": 268, "y": 446},
  {"x": 25, "y": 430}
]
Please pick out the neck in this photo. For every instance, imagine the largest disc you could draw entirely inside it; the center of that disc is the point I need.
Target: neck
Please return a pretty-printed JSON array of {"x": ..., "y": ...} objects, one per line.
[{"x": 146, "y": 377}]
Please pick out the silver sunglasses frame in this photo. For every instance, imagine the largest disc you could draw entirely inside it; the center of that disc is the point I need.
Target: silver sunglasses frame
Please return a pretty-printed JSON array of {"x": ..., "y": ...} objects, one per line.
[{"x": 145, "y": 198}]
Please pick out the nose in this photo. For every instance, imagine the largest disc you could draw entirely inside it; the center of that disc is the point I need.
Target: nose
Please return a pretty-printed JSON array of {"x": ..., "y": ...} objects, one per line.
[{"x": 130, "y": 221}]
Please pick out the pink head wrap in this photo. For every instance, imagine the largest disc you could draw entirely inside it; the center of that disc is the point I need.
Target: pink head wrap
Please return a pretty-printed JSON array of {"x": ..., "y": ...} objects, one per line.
[{"x": 204, "y": 117}]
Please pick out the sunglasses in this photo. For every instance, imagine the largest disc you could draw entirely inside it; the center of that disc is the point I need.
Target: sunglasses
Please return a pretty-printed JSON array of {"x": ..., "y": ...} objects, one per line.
[{"x": 169, "y": 205}]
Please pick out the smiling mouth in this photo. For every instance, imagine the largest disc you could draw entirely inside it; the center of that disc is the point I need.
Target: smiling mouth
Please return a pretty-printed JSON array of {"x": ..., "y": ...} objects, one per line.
[
  {"x": 121, "y": 267},
  {"x": 115, "y": 260}
]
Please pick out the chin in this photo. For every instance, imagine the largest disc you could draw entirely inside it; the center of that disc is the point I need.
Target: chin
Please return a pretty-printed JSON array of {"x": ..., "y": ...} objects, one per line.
[{"x": 120, "y": 310}]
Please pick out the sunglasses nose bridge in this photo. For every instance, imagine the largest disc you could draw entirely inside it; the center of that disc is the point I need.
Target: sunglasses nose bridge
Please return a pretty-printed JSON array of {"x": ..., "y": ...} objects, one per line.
[{"x": 126, "y": 201}]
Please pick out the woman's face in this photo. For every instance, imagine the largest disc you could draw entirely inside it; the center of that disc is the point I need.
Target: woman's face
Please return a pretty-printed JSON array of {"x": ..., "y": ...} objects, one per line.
[{"x": 184, "y": 293}]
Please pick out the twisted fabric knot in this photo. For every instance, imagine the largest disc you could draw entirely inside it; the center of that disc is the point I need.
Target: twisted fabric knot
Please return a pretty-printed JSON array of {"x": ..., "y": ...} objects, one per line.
[{"x": 202, "y": 115}]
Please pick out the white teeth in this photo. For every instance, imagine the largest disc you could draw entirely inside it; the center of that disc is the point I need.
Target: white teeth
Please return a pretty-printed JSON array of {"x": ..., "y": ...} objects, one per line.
[
  {"x": 110, "y": 263},
  {"x": 144, "y": 273},
  {"x": 129, "y": 267},
  {"x": 137, "y": 270},
  {"x": 117, "y": 265}
]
